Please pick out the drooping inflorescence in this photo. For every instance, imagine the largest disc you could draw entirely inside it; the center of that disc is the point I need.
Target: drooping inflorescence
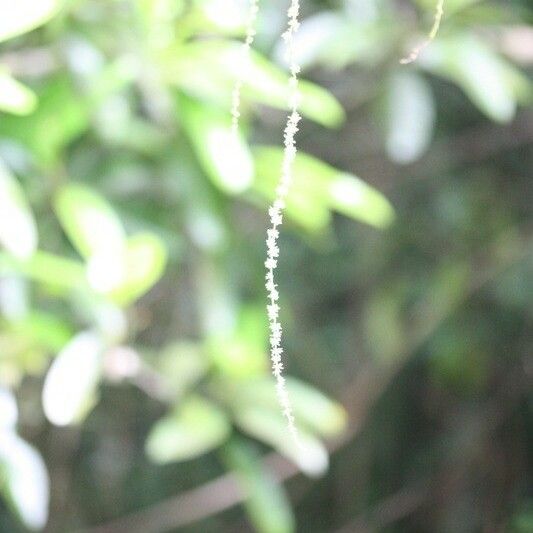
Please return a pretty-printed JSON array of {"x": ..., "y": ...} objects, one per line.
[
  {"x": 415, "y": 52},
  {"x": 245, "y": 59},
  {"x": 276, "y": 217},
  {"x": 275, "y": 210}
]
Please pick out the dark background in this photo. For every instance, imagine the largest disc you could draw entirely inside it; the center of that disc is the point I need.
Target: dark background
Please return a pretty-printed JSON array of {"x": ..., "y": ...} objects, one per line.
[{"x": 420, "y": 325}]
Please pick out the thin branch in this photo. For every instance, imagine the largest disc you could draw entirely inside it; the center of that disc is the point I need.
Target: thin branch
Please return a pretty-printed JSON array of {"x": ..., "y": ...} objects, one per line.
[
  {"x": 415, "y": 52},
  {"x": 276, "y": 217},
  {"x": 245, "y": 58}
]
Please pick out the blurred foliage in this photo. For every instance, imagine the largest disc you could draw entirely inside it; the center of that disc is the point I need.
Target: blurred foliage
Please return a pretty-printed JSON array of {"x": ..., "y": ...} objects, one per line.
[{"x": 133, "y": 337}]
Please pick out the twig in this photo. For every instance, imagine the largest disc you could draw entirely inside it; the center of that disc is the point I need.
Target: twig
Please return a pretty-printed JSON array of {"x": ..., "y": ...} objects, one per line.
[
  {"x": 245, "y": 51},
  {"x": 276, "y": 217},
  {"x": 415, "y": 52}
]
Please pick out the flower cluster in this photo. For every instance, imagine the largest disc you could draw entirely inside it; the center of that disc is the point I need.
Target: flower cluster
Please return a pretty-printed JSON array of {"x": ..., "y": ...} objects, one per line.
[
  {"x": 415, "y": 52},
  {"x": 276, "y": 219},
  {"x": 245, "y": 58}
]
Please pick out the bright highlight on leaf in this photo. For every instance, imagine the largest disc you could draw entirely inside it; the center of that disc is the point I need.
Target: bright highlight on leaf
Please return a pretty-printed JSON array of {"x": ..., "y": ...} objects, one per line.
[
  {"x": 24, "y": 15},
  {"x": 51, "y": 270},
  {"x": 318, "y": 188},
  {"x": 195, "y": 427},
  {"x": 89, "y": 221},
  {"x": 207, "y": 69},
  {"x": 18, "y": 232},
  {"x": 70, "y": 385},
  {"x": 222, "y": 152},
  {"x": 410, "y": 117},
  {"x": 312, "y": 409},
  {"x": 493, "y": 84},
  {"x": 124, "y": 269},
  {"x": 15, "y": 97},
  {"x": 25, "y": 480},
  {"x": 268, "y": 426},
  {"x": 23, "y": 476},
  {"x": 96, "y": 231},
  {"x": 145, "y": 258}
]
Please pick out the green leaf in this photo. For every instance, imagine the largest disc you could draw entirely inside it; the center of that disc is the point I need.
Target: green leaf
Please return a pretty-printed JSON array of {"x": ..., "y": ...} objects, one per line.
[
  {"x": 268, "y": 425},
  {"x": 307, "y": 208},
  {"x": 15, "y": 97},
  {"x": 410, "y": 116},
  {"x": 24, "y": 15},
  {"x": 182, "y": 364},
  {"x": 69, "y": 390},
  {"x": 122, "y": 269},
  {"x": 26, "y": 485},
  {"x": 240, "y": 351},
  {"x": 492, "y": 83},
  {"x": 44, "y": 329},
  {"x": 320, "y": 187},
  {"x": 195, "y": 427},
  {"x": 315, "y": 410},
  {"x": 144, "y": 262},
  {"x": 18, "y": 231},
  {"x": 207, "y": 69},
  {"x": 335, "y": 40},
  {"x": 384, "y": 312},
  {"x": 312, "y": 409},
  {"x": 224, "y": 156},
  {"x": 266, "y": 501},
  {"x": 221, "y": 16},
  {"x": 233, "y": 356},
  {"x": 49, "y": 269},
  {"x": 90, "y": 222},
  {"x": 60, "y": 117}
]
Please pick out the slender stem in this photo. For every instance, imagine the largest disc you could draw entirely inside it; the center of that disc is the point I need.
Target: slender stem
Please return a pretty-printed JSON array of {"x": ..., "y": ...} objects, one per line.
[
  {"x": 275, "y": 212},
  {"x": 245, "y": 58},
  {"x": 415, "y": 52}
]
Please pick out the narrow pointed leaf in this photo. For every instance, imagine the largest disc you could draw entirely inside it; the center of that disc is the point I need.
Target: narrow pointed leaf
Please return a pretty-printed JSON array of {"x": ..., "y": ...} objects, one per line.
[
  {"x": 208, "y": 70},
  {"x": 266, "y": 501},
  {"x": 24, "y": 15},
  {"x": 491, "y": 83},
  {"x": 26, "y": 485},
  {"x": 319, "y": 186},
  {"x": 225, "y": 157},
  {"x": 410, "y": 117},
  {"x": 269, "y": 426},
  {"x": 312, "y": 409},
  {"x": 89, "y": 220},
  {"x": 144, "y": 262},
  {"x": 15, "y": 97},
  {"x": 18, "y": 232},
  {"x": 195, "y": 427},
  {"x": 70, "y": 385},
  {"x": 48, "y": 269}
]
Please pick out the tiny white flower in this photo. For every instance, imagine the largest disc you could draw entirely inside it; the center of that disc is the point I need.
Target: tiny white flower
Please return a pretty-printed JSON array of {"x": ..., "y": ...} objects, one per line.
[
  {"x": 244, "y": 64},
  {"x": 276, "y": 219},
  {"x": 271, "y": 263}
]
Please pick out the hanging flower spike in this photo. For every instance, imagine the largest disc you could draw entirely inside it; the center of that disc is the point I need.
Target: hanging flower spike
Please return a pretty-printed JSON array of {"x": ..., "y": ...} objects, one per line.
[
  {"x": 276, "y": 218},
  {"x": 244, "y": 64},
  {"x": 413, "y": 56}
]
